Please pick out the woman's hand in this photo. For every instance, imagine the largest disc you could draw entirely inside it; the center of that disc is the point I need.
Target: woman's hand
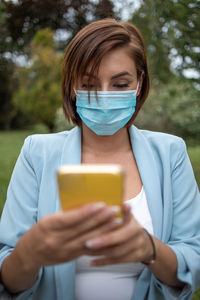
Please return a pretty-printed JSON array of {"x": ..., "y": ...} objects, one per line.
[
  {"x": 129, "y": 243},
  {"x": 55, "y": 239},
  {"x": 61, "y": 237}
]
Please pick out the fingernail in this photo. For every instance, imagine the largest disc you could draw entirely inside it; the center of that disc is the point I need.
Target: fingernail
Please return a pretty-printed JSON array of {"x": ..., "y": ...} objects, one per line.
[
  {"x": 118, "y": 221},
  {"x": 114, "y": 209},
  {"x": 97, "y": 206},
  {"x": 114, "y": 223},
  {"x": 93, "y": 243}
]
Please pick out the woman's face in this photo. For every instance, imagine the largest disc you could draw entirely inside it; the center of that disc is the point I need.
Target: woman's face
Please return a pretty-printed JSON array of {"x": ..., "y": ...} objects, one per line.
[{"x": 117, "y": 72}]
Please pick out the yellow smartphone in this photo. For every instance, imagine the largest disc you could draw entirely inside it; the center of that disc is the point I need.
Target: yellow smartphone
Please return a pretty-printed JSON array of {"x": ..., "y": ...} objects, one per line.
[{"x": 88, "y": 183}]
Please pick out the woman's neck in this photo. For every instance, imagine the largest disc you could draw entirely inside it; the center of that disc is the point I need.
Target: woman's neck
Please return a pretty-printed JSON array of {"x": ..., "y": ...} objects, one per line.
[{"x": 118, "y": 142}]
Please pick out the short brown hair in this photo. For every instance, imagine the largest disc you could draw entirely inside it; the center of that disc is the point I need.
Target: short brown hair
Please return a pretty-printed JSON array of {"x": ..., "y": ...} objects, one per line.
[{"x": 89, "y": 46}]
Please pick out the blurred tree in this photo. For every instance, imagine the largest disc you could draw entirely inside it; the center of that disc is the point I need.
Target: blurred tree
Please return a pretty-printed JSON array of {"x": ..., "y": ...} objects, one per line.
[
  {"x": 61, "y": 123},
  {"x": 20, "y": 20},
  {"x": 3, "y": 29},
  {"x": 182, "y": 24},
  {"x": 39, "y": 95},
  {"x": 7, "y": 78},
  {"x": 25, "y": 17},
  {"x": 104, "y": 9},
  {"x": 8, "y": 84},
  {"x": 171, "y": 31},
  {"x": 172, "y": 108}
]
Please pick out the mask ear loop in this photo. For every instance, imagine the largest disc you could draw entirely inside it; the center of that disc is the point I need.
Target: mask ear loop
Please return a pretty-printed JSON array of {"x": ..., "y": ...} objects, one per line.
[
  {"x": 75, "y": 92},
  {"x": 138, "y": 84},
  {"x": 139, "y": 81}
]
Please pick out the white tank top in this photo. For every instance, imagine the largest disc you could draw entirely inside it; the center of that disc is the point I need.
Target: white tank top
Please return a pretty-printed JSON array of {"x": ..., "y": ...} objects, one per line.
[{"x": 113, "y": 281}]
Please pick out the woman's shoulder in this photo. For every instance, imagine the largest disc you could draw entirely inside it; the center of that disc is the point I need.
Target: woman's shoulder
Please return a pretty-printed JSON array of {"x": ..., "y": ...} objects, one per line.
[
  {"x": 166, "y": 148},
  {"x": 163, "y": 146},
  {"x": 51, "y": 141},
  {"x": 48, "y": 138},
  {"x": 45, "y": 147},
  {"x": 163, "y": 140}
]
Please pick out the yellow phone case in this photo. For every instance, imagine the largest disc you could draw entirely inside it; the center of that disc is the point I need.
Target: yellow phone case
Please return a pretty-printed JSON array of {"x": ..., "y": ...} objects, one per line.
[{"x": 85, "y": 183}]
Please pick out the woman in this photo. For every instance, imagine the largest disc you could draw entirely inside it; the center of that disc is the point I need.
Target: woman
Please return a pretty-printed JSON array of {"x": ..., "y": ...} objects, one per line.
[{"x": 155, "y": 253}]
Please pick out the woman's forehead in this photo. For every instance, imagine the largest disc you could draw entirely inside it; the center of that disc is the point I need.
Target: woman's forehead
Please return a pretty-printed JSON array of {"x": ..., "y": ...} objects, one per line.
[{"x": 114, "y": 62}]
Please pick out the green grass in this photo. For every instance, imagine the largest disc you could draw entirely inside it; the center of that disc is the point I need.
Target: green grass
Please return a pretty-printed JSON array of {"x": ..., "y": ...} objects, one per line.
[
  {"x": 194, "y": 154},
  {"x": 196, "y": 295},
  {"x": 11, "y": 143}
]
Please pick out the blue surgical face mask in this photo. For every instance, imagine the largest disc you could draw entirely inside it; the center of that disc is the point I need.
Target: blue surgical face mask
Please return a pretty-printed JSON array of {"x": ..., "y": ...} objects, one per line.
[{"x": 107, "y": 112}]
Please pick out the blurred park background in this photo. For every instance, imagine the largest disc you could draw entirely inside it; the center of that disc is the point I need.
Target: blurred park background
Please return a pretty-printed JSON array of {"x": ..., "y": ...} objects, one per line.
[{"x": 33, "y": 36}]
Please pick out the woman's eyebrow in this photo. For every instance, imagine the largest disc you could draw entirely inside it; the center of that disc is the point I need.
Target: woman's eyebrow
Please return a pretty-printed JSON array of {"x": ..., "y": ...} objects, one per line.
[
  {"x": 121, "y": 74},
  {"x": 113, "y": 77}
]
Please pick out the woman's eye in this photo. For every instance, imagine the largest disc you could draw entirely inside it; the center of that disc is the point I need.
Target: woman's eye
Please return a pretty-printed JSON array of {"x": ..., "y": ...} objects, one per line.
[
  {"x": 121, "y": 85},
  {"x": 86, "y": 86}
]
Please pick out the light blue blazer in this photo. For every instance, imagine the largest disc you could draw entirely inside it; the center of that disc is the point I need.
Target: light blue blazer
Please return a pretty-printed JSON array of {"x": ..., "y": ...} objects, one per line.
[{"x": 172, "y": 195}]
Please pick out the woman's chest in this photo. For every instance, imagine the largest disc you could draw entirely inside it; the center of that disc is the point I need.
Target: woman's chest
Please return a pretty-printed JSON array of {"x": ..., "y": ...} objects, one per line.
[{"x": 132, "y": 179}]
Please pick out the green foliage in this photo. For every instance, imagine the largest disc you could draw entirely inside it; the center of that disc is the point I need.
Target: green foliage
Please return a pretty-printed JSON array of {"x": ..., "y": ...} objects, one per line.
[
  {"x": 7, "y": 86},
  {"x": 61, "y": 123},
  {"x": 7, "y": 76},
  {"x": 104, "y": 9},
  {"x": 44, "y": 38},
  {"x": 171, "y": 32},
  {"x": 19, "y": 22},
  {"x": 39, "y": 95},
  {"x": 4, "y": 40},
  {"x": 25, "y": 17},
  {"x": 173, "y": 108},
  {"x": 196, "y": 295},
  {"x": 194, "y": 154}
]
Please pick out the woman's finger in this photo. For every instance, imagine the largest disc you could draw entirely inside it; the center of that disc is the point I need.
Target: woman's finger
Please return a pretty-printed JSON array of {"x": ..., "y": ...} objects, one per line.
[
  {"x": 119, "y": 236},
  {"x": 104, "y": 216},
  {"x": 126, "y": 208},
  {"x": 65, "y": 219},
  {"x": 128, "y": 257},
  {"x": 116, "y": 251},
  {"x": 102, "y": 221},
  {"x": 126, "y": 212},
  {"x": 76, "y": 247},
  {"x": 80, "y": 241}
]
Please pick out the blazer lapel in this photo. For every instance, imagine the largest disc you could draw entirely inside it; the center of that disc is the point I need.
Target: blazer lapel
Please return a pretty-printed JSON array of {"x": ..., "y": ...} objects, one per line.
[
  {"x": 71, "y": 153},
  {"x": 150, "y": 177}
]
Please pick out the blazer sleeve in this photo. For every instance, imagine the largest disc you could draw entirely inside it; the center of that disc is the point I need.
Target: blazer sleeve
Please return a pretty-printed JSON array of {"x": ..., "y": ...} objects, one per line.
[
  {"x": 185, "y": 235},
  {"x": 20, "y": 211}
]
